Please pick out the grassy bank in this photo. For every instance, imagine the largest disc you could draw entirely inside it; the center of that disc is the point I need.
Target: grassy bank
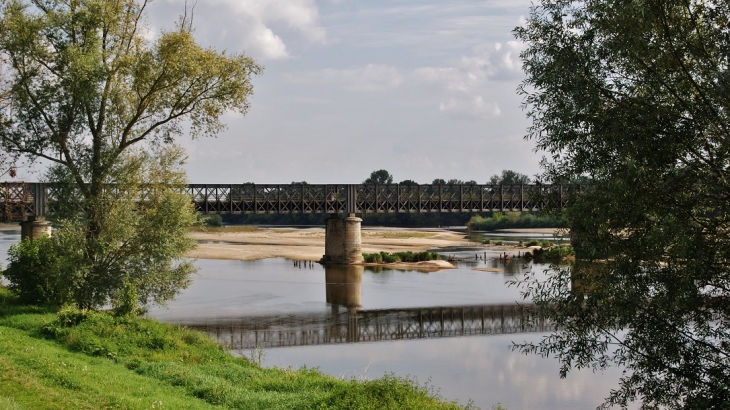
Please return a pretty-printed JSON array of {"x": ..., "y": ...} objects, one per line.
[
  {"x": 71, "y": 359},
  {"x": 509, "y": 220}
]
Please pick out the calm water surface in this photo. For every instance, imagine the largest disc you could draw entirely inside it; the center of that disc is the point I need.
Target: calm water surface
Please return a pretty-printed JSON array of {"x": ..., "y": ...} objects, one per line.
[{"x": 452, "y": 328}]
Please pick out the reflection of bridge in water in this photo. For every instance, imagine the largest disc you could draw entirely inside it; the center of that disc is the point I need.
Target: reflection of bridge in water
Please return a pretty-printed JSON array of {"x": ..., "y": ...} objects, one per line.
[
  {"x": 343, "y": 289},
  {"x": 375, "y": 326}
]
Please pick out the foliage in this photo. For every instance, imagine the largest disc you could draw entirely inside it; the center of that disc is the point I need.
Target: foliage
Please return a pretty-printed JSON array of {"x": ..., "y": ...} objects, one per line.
[
  {"x": 635, "y": 96},
  {"x": 553, "y": 253},
  {"x": 379, "y": 177},
  {"x": 509, "y": 177},
  {"x": 36, "y": 273},
  {"x": 87, "y": 84},
  {"x": 85, "y": 359},
  {"x": 133, "y": 260},
  {"x": 453, "y": 181},
  {"x": 507, "y": 220},
  {"x": 211, "y": 221},
  {"x": 384, "y": 257}
]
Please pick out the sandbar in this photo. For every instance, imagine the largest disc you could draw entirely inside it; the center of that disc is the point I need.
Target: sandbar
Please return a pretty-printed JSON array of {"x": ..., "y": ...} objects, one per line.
[{"x": 307, "y": 244}]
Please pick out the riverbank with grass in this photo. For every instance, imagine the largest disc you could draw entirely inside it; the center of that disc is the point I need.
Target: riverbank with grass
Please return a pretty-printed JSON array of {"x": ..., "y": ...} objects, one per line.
[
  {"x": 511, "y": 220},
  {"x": 72, "y": 359}
]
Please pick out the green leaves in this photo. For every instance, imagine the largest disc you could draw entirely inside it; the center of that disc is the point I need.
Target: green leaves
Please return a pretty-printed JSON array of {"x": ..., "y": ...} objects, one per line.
[
  {"x": 86, "y": 84},
  {"x": 635, "y": 95}
]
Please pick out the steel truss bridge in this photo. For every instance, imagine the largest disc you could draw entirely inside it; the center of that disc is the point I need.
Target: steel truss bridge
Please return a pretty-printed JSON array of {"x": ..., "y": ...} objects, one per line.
[
  {"x": 20, "y": 200},
  {"x": 374, "y": 326}
]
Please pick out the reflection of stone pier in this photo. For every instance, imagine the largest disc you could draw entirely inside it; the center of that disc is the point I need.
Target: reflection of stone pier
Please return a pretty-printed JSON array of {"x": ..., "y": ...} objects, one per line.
[
  {"x": 376, "y": 325},
  {"x": 344, "y": 287}
]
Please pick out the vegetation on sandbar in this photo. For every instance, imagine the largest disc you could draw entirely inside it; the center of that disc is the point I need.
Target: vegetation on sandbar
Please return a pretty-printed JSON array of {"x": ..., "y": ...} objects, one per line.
[
  {"x": 384, "y": 257},
  {"x": 508, "y": 220}
]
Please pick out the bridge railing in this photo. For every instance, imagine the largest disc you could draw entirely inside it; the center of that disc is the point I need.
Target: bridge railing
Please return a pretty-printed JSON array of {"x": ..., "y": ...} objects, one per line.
[{"x": 19, "y": 200}]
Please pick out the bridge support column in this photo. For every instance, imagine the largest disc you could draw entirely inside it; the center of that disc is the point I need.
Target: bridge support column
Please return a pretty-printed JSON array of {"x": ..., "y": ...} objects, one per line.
[
  {"x": 34, "y": 227},
  {"x": 342, "y": 242}
]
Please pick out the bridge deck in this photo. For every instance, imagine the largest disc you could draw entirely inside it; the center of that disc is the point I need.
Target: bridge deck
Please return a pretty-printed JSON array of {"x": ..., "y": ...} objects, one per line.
[{"x": 18, "y": 200}]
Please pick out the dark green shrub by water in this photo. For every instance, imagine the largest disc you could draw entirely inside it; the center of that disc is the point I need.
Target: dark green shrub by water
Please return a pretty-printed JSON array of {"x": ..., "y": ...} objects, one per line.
[
  {"x": 508, "y": 220},
  {"x": 384, "y": 257}
]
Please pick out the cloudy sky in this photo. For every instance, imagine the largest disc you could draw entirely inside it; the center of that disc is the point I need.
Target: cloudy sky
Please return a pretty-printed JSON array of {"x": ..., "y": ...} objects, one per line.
[{"x": 424, "y": 89}]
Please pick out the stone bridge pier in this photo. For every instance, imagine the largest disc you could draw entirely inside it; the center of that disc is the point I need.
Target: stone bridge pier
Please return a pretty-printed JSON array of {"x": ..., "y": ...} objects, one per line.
[
  {"x": 342, "y": 241},
  {"x": 33, "y": 227}
]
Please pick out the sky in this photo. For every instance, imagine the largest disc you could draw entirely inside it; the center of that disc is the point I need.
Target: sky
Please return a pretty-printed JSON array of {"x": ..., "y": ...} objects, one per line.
[{"x": 423, "y": 89}]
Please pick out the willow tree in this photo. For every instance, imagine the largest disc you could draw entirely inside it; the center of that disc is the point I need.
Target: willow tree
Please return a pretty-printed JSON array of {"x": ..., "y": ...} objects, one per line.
[
  {"x": 635, "y": 95},
  {"x": 88, "y": 80}
]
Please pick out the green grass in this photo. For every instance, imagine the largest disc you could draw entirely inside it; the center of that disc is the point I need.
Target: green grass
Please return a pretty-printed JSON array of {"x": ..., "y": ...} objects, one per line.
[
  {"x": 71, "y": 359},
  {"x": 511, "y": 220}
]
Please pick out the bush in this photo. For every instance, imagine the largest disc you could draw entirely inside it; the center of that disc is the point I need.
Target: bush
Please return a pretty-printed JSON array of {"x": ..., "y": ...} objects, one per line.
[
  {"x": 506, "y": 220},
  {"x": 554, "y": 254},
  {"x": 384, "y": 257},
  {"x": 212, "y": 221},
  {"x": 36, "y": 272},
  {"x": 545, "y": 243}
]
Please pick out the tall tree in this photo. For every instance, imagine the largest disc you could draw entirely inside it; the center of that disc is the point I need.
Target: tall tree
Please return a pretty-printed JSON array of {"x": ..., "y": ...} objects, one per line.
[
  {"x": 380, "y": 176},
  {"x": 509, "y": 177},
  {"x": 86, "y": 84},
  {"x": 408, "y": 182},
  {"x": 636, "y": 96}
]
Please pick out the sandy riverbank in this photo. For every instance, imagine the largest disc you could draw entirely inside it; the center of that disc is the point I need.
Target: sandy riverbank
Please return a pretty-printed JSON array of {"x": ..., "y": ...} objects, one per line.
[{"x": 308, "y": 243}]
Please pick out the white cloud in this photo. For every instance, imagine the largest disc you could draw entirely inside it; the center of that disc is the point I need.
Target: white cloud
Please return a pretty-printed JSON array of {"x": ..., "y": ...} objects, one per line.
[
  {"x": 372, "y": 77},
  {"x": 470, "y": 108},
  {"x": 495, "y": 61},
  {"x": 464, "y": 85},
  {"x": 257, "y": 26}
]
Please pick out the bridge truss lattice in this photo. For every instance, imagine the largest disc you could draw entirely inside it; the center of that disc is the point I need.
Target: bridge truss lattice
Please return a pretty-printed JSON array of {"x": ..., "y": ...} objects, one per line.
[{"x": 37, "y": 199}]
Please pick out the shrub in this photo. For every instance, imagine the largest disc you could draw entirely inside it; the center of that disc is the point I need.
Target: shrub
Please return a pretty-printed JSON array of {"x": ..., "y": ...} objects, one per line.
[
  {"x": 36, "y": 272},
  {"x": 506, "y": 220},
  {"x": 211, "y": 221},
  {"x": 384, "y": 257},
  {"x": 389, "y": 257},
  {"x": 554, "y": 254}
]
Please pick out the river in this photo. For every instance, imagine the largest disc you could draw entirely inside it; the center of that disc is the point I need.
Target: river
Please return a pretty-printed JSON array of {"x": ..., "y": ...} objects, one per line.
[{"x": 451, "y": 329}]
